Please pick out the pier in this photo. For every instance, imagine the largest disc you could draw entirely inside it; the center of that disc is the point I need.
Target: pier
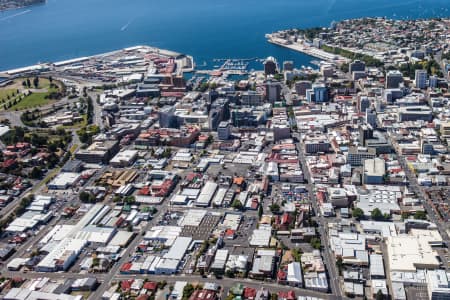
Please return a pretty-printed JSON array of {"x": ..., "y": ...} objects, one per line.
[{"x": 311, "y": 51}]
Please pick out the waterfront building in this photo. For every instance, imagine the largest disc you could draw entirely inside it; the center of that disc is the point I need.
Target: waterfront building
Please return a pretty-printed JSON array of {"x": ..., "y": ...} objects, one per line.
[{"x": 270, "y": 66}]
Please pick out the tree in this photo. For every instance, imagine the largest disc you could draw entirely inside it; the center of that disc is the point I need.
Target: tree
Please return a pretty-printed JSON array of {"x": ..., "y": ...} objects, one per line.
[
  {"x": 316, "y": 243},
  {"x": 260, "y": 210},
  {"x": 36, "y": 173},
  {"x": 130, "y": 199},
  {"x": 86, "y": 197},
  {"x": 376, "y": 214},
  {"x": 95, "y": 262},
  {"x": 36, "y": 82},
  {"x": 339, "y": 264},
  {"x": 237, "y": 204},
  {"x": 420, "y": 215},
  {"x": 130, "y": 228},
  {"x": 358, "y": 213},
  {"x": 187, "y": 291},
  {"x": 379, "y": 295},
  {"x": 275, "y": 208},
  {"x": 28, "y": 83}
]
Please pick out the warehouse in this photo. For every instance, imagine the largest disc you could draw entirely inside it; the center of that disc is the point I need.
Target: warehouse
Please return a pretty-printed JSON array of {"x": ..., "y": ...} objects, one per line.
[
  {"x": 218, "y": 265},
  {"x": 163, "y": 234},
  {"x": 261, "y": 237},
  {"x": 62, "y": 256},
  {"x": 121, "y": 239},
  {"x": 206, "y": 194},
  {"x": 193, "y": 217},
  {"x": 167, "y": 266},
  {"x": 178, "y": 199},
  {"x": 124, "y": 158},
  {"x": 64, "y": 180},
  {"x": 179, "y": 248},
  {"x": 99, "y": 236},
  {"x": 40, "y": 203},
  {"x": 220, "y": 195},
  {"x": 376, "y": 267},
  {"x": 29, "y": 220}
]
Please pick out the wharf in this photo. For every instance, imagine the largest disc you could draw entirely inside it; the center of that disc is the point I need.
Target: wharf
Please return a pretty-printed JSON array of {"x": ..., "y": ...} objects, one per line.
[{"x": 311, "y": 51}]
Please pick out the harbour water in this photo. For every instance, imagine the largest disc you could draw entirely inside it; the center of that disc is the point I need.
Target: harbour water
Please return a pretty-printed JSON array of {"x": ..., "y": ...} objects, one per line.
[{"x": 206, "y": 29}]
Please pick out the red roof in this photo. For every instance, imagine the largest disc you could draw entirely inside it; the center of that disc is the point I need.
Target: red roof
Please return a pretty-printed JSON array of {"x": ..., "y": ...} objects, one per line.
[
  {"x": 281, "y": 275},
  {"x": 150, "y": 285},
  {"x": 229, "y": 232},
  {"x": 290, "y": 295},
  {"x": 249, "y": 293},
  {"x": 8, "y": 163},
  {"x": 125, "y": 267},
  {"x": 125, "y": 285}
]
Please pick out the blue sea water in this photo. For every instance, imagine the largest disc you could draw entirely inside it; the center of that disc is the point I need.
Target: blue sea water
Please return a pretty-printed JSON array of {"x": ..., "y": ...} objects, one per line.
[{"x": 206, "y": 29}]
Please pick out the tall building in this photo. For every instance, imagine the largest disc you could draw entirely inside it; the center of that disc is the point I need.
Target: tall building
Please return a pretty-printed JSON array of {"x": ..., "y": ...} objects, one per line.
[
  {"x": 365, "y": 133},
  {"x": 320, "y": 93},
  {"x": 302, "y": 86},
  {"x": 393, "y": 79},
  {"x": 421, "y": 79},
  {"x": 288, "y": 65},
  {"x": 364, "y": 103},
  {"x": 374, "y": 171},
  {"x": 252, "y": 98},
  {"x": 445, "y": 129},
  {"x": 371, "y": 118},
  {"x": 273, "y": 91},
  {"x": 415, "y": 113},
  {"x": 224, "y": 130},
  {"x": 357, "y": 155},
  {"x": 270, "y": 66},
  {"x": 167, "y": 117},
  {"x": 356, "y": 66},
  {"x": 433, "y": 82}
]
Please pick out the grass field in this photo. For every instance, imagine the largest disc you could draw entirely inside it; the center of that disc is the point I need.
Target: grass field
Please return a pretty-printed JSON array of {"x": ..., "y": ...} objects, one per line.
[
  {"x": 37, "y": 98},
  {"x": 5, "y": 92},
  {"x": 31, "y": 101},
  {"x": 77, "y": 125}
]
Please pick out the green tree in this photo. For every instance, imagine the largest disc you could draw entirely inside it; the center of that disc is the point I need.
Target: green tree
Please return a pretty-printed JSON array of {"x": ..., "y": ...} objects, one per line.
[
  {"x": 420, "y": 215},
  {"x": 275, "y": 208},
  {"x": 376, "y": 214},
  {"x": 379, "y": 295},
  {"x": 339, "y": 265},
  {"x": 86, "y": 197},
  {"x": 237, "y": 204},
  {"x": 36, "y": 173},
  {"x": 187, "y": 291},
  {"x": 260, "y": 210},
  {"x": 36, "y": 82},
  {"x": 358, "y": 213},
  {"x": 316, "y": 243}
]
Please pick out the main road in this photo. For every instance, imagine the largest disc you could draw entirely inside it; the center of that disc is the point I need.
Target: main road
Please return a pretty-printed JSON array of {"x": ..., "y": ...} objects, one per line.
[{"x": 323, "y": 224}]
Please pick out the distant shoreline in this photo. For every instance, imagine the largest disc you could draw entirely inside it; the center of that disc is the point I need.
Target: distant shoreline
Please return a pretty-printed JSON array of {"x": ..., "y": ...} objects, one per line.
[{"x": 17, "y": 4}]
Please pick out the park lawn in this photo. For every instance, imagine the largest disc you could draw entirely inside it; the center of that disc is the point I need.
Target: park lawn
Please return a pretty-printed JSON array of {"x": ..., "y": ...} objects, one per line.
[
  {"x": 77, "y": 125},
  {"x": 4, "y": 92},
  {"x": 44, "y": 83},
  {"x": 33, "y": 100}
]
